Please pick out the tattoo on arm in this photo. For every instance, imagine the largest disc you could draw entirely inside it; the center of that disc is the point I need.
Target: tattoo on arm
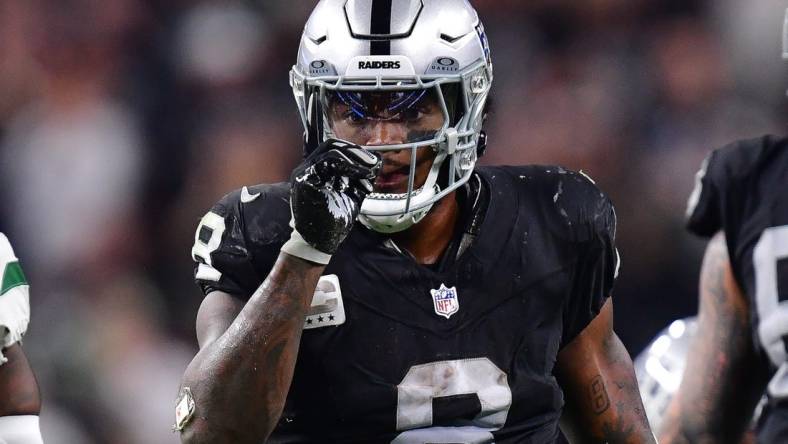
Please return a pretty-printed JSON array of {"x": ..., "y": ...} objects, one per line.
[
  {"x": 627, "y": 422},
  {"x": 602, "y": 399},
  {"x": 240, "y": 381},
  {"x": 723, "y": 378},
  {"x": 598, "y": 395},
  {"x": 619, "y": 431}
]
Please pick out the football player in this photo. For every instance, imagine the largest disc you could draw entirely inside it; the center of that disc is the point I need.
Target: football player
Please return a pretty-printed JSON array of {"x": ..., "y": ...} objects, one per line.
[
  {"x": 392, "y": 291},
  {"x": 739, "y": 352},
  {"x": 740, "y": 343},
  {"x": 20, "y": 402},
  {"x": 741, "y": 202}
]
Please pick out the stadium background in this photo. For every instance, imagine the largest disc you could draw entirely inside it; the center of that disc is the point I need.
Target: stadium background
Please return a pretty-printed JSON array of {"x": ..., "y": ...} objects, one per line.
[{"x": 123, "y": 121}]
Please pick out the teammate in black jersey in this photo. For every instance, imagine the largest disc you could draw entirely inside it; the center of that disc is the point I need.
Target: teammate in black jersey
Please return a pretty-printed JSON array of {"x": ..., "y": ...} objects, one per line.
[
  {"x": 741, "y": 202},
  {"x": 391, "y": 291}
]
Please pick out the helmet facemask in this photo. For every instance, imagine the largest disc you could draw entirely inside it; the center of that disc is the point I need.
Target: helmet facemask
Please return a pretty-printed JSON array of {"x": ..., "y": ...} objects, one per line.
[
  {"x": 405, "y": 127},
  {"x": 440, "y": 113}
]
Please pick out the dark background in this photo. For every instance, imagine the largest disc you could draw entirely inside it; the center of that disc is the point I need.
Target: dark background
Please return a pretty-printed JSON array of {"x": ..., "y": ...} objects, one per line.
[{"x": 123, "y": 121}]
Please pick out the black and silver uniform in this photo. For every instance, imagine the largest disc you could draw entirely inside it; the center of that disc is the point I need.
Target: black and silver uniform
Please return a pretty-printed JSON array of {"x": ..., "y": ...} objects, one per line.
[
  {"x": 743, "y": 190},
  {"x": 459, "y": 352}
]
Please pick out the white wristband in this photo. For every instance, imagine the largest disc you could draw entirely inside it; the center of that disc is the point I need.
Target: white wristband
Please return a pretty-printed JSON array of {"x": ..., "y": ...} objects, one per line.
[
  {"x": 22, "y": 429},
  {"x": 298, "y": 247}
]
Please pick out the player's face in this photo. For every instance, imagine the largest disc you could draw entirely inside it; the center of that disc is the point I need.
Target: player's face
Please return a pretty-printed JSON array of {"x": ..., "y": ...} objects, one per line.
[{"x": 389, "y": 118}]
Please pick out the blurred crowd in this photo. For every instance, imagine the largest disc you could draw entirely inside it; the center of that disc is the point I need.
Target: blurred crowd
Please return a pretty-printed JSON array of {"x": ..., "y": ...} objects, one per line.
[{"x": 123, "y": 121}]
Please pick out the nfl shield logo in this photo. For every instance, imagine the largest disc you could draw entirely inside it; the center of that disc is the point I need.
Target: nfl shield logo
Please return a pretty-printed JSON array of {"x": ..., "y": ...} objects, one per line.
[{"x": 445, "y": 300}]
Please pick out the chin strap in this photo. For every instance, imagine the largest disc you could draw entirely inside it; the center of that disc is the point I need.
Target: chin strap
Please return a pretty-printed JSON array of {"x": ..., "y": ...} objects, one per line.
[
  {"x": 381, "y": 224},
  {"x": 400, "y": 221},
  {"x": 392, "y": 224}
]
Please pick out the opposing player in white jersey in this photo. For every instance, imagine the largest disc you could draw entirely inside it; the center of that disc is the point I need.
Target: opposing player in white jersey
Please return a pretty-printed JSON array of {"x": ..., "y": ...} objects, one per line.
[{"x": 20, "y": 401}]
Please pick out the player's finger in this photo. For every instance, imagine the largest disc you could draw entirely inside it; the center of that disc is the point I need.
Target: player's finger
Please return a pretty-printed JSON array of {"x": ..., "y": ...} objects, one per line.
[
  {"x": 358, "y": 156},
  {"x": 338, "y": 163},
  {"x": 363, "y": 157},
  {"x": 366, "y": 184},
  {"x": 352, "y": 171},
  {"x": 327, "y": 146},
  {"x": 359, "y": 189}
]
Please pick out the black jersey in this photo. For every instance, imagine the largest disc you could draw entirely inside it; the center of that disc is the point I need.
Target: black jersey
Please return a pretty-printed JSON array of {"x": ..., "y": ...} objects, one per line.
[
  {"x": 743, "y": 190},
  {"x": 394, "y": 351}
]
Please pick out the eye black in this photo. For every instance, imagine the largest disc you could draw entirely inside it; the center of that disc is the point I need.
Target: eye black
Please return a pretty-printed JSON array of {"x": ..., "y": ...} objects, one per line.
[{"x": 411, "y": 114}]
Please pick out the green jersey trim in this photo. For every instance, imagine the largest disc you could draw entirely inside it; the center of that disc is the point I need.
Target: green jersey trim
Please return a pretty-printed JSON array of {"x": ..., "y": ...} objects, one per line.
[{"x": 13, "y": 277}]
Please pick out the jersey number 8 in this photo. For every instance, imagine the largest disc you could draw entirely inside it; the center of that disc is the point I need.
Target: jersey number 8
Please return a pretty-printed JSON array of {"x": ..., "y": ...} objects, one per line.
[
  {"x": 426, "y": 385},
  {"x": 207, "y": 239}
]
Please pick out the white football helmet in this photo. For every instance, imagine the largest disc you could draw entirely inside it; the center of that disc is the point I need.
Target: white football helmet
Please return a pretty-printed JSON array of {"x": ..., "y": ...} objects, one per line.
[
  {"x": 408, "y": 49},
  {"x": 660, "y": 367}
]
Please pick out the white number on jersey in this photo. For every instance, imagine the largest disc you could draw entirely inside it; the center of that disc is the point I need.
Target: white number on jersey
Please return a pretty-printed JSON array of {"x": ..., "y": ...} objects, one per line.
[
  {"x": 424, "y": 383},
  {"x": 773, "y": 314},
  {"x": 201, "y": 251}
]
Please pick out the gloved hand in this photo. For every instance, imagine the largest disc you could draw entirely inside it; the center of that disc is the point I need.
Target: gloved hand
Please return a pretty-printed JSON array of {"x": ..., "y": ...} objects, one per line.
[{"x": 326, "y": 193}]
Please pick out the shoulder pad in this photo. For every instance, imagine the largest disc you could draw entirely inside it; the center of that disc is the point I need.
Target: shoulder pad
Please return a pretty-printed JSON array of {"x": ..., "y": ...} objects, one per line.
[
  {"x": 583, "y": 206},
  {"x": 257, "y": 204},
  {"x": 744, "y": 157},
  {"x": 575, "y": 208},
  {"x": 6, "y": 252},
  {"x": 265, "y": 210},
  {"x": 11, "y": 274},
  {"x": 238, "y": 240},
  {"x": 255, "y": 216},
  {"x": 14, "y": 298},
  {"x": 723, "y": 177}
]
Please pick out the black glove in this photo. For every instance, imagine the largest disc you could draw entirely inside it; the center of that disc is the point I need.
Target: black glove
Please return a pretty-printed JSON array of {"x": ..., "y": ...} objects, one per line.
[{"x": 327, "y": 190}]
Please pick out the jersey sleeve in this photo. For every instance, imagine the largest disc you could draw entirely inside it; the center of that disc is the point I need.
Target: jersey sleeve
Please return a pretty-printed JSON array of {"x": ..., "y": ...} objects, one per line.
[
  {"x": 237, "y": 242},
  {"x": 723, "y": 184},
  {"x": 593, "y": 222},
  {"x": 14, "y": 298},
  {"x": 704, "y": 212}
]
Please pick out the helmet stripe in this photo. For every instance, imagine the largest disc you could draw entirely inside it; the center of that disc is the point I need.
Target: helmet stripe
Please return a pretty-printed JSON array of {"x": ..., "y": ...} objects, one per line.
[{"x": 380, "y": 25}]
